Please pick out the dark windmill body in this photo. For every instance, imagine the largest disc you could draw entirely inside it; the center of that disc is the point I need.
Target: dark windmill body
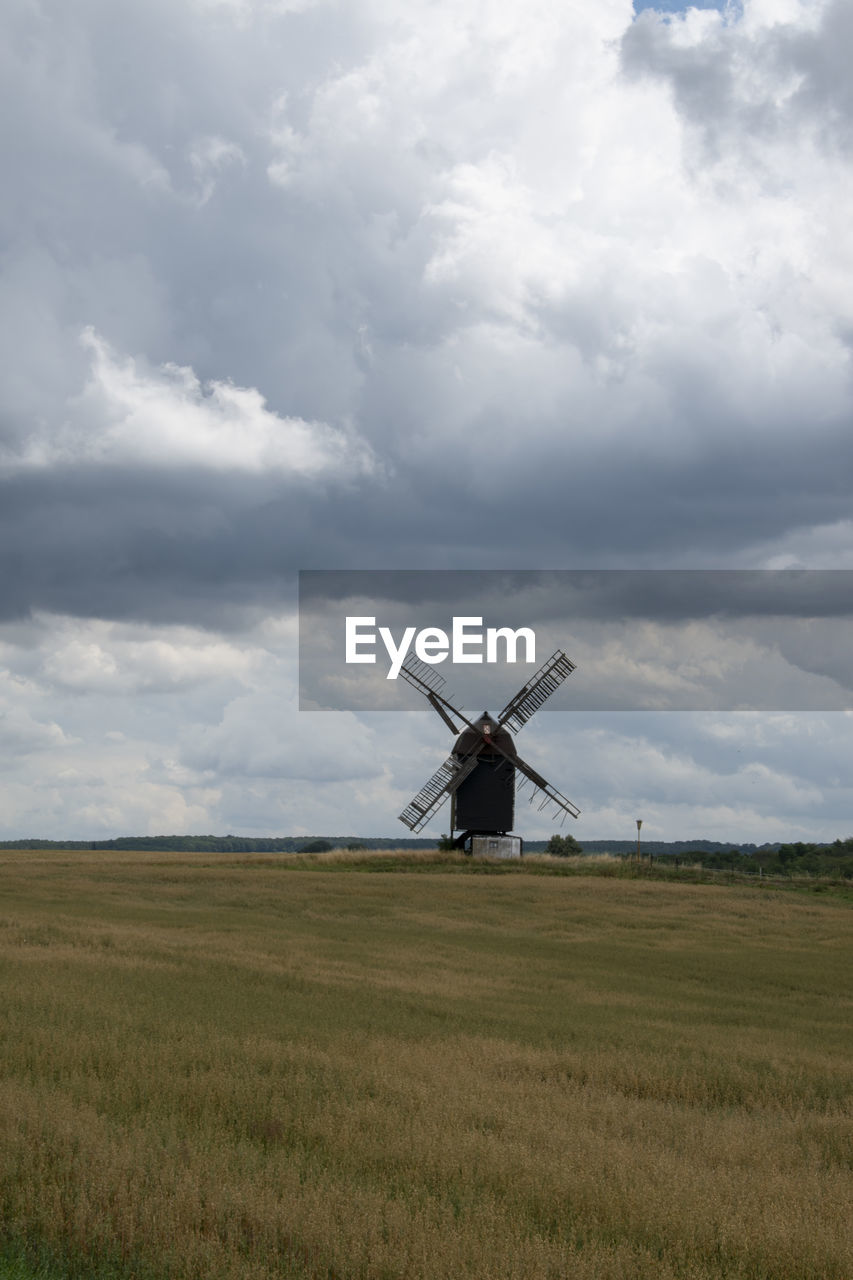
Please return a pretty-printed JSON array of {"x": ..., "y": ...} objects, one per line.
[
  {"x": 480, "y": 774},
  {"x": 484, "y": 802}
]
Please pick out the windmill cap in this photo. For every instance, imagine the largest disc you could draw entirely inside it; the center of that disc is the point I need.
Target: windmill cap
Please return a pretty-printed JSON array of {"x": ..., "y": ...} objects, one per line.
[{"x": 472, "y": 739}]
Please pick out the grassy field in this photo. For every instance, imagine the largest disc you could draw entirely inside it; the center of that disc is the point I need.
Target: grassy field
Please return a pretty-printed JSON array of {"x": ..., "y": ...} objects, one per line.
[{"x": 221, "y": 1066}]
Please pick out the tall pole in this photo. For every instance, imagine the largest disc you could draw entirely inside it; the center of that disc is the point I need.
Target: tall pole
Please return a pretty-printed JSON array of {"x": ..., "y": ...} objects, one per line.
[{"x": 639, "y": 824}]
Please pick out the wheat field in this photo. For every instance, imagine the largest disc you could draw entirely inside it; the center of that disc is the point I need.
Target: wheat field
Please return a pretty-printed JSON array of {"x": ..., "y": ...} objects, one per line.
[{"x": 238, "y": 1067}]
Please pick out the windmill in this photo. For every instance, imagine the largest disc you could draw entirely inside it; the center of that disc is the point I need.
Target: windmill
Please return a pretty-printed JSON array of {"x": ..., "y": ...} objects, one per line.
[{"x": 479, "y": 775}]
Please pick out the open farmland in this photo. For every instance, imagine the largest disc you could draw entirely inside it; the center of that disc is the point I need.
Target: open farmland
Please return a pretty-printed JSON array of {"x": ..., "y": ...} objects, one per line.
[{"x": 228, "y": 1067}]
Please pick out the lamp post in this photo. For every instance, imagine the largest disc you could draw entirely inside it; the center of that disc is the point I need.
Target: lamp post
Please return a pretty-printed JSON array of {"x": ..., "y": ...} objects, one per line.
[{"x": 639, "y": 824}]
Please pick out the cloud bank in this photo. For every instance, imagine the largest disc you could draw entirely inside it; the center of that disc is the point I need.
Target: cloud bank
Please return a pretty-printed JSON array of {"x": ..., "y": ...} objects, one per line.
[{"x": 292, "y": 285}]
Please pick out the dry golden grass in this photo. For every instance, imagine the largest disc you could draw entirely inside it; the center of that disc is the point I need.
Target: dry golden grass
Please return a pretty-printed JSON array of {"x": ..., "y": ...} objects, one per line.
[{"x": 218, "y": 1067}]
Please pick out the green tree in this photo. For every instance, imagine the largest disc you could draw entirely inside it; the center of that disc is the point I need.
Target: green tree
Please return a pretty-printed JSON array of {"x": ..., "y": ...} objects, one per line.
[{"x": 563, "y": 847}]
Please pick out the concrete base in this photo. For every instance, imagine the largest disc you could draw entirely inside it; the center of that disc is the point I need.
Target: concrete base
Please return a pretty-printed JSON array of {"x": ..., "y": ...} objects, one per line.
[{"x": 496, "y": 846}]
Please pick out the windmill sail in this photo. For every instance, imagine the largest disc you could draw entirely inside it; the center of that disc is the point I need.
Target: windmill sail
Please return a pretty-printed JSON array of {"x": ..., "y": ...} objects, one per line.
[
  {"x": 433, "y": 794},
  {"x": 537, "y": 690},
  {"x": 421, "y": 676},
  {"x": 429, "y": 682},
  {"x": 547, "y": 794}
]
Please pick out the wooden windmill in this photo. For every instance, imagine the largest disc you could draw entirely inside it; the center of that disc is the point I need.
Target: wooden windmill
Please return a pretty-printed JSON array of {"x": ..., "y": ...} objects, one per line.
[{"x": 480, "y": 773}]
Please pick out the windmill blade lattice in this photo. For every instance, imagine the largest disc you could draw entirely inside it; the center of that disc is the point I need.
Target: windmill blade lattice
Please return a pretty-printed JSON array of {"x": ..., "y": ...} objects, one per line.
[
  {"x": 421, "y": 676},
  {"x": 433, "y": 794},
  {"x": 545, "y": 792},
  {"x": 429, "y": 682},
  {"x": 537, "y": 690}
]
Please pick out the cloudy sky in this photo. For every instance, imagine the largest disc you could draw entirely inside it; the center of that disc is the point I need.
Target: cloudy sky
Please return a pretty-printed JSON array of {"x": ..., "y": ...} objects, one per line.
[{"x": 361, "y": 284}]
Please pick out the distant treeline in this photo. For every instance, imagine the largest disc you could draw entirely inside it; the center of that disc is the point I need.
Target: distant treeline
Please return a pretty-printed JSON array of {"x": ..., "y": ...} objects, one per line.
[
  {"x": 659, "y": 847},
  {"x": 825, "y": 859},
  {"x": 296, "y": 844},
  {"x": 797, "y": 859},
  {"x": 222, "y": 844},
  {"x": 801, "y": 858}
]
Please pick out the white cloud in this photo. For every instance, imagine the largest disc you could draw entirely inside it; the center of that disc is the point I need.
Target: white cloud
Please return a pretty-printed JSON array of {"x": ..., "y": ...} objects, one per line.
[
  {"x": 164, "y": 418},
  {"x": 98, "y": 657},
  {"x": 248, "y": 743},
  {"x": 587, "y": 271},
  {"x": 210, "y": 157},
  {"x": 23, "y": 731}
]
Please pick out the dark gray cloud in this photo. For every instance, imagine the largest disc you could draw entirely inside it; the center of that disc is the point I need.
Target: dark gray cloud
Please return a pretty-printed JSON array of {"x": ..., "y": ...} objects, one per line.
[
  {"x": 752, "y": 81},
  {"x": 608, "y": 595},
  {"x": 678, "y": 639},
  {"x": 334, "y": 211}
]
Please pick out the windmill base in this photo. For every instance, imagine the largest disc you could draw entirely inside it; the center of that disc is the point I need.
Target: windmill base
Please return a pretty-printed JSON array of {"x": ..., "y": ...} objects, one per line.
[{"x": 490, "y": 844}]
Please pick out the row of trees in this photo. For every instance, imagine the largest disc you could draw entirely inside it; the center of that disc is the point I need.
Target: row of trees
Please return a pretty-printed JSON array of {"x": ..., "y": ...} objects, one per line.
[
  {"x": 800, "y": 858},
  {"x": 221, "y": 844}
]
